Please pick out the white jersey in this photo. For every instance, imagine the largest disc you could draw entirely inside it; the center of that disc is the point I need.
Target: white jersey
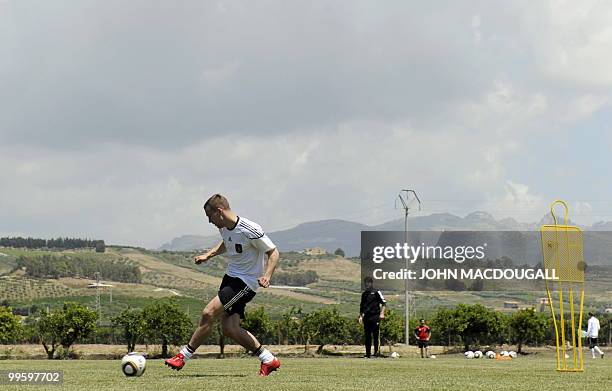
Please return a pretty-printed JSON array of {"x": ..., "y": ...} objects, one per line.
[
  {"x": 246, "y": 246},
  {"x": 593, "y": 327}
]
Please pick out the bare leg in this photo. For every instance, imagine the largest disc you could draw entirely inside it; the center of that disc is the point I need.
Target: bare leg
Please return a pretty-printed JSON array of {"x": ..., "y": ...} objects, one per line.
[
  {"x": 230, "y": 324},
  {"x": 213, "y": 310}
]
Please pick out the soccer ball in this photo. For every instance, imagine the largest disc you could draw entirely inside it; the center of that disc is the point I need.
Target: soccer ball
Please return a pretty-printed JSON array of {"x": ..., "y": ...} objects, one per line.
[
  {"x": 490, "y": 354},
  {"x": 512, "y": 354},
  {"x": 432, "y": 356},
  {"x": 504, "y": 353},
  {"x": 395, "y": 355},
  {"x": 477, "y": 354},
  {"x": 133, "y": 364},
  {"x": 469, "y": 354}
]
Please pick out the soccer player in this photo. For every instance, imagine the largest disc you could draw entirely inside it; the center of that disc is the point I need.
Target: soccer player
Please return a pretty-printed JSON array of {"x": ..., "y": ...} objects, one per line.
[
  {"x": 422, "y": 334},
  {"x": 371, "y": 312},
  {"x": 246, "y": 245},
  {"x": 592, "y": 334}
]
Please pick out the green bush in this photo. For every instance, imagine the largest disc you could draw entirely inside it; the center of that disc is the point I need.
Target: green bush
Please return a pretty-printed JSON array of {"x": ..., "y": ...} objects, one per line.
[
  {"x": 166, "y": 323},
  {"x": 259, "y": 324},
  {"x": 295, "y": 278},
  {"x": 474, "y": 325},
  {"x": 62, "y": 327},
  {"x": 48, "y": 266},
  {"x": 527, "y": 326},
  {"x": 392, "y": 328},
  {"x": 326, "y": 326},
  {"x": 131, "y": 323},
  {"x": 10, "y": 326}
]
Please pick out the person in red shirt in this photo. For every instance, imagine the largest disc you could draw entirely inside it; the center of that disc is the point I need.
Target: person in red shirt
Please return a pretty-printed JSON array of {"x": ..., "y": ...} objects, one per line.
[{"x": 422, "y": 334}]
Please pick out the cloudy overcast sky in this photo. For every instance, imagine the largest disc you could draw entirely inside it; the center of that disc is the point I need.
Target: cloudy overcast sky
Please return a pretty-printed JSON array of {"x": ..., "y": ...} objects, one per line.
[{"x": 118, "y": 119}]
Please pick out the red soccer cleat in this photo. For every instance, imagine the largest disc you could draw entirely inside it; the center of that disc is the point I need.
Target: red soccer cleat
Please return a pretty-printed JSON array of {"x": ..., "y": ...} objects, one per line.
[
  {"x": 177, "y": 362},
  {"x": 270, "y": 367}
]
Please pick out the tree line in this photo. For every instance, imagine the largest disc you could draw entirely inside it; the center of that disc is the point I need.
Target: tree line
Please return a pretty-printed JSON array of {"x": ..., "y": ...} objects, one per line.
[
  {"x": 50, "y": 266},
  {"x": 164, "y": 322},
  {"x": 301, "y": 278},
  {"x": 56, "y": 243}
]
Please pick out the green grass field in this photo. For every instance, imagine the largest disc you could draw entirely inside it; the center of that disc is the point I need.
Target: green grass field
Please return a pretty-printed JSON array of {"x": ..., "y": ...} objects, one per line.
[{"x": 443, "y": 373}]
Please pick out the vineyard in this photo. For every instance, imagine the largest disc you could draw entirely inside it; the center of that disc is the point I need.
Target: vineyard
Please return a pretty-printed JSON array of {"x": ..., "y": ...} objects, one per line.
[{"x": 25, "y": 289}]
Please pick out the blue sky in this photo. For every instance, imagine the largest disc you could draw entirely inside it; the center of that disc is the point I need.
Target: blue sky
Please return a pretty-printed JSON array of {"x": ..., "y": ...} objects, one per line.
[{"x": 118, "y": 119}]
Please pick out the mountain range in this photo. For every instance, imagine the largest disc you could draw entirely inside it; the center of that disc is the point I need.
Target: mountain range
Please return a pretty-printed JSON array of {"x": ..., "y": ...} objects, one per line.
[{"x": 333, "y": 234}]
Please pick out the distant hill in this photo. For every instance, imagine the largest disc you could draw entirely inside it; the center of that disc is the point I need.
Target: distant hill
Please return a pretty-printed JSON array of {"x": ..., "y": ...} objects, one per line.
[
  {"x": 327, "y": 234},
  {"x": 475, "y": 221},
  {"x": 190, "y": 242},
  {"x": 602, "y": 226},
  {"x": 333, "y": 234}
]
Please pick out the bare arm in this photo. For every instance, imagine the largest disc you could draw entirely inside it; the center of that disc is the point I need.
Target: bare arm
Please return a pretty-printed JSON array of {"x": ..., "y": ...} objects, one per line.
[
  {"x": 217, "y": 250},
  {"x": 273, "y": 257}
]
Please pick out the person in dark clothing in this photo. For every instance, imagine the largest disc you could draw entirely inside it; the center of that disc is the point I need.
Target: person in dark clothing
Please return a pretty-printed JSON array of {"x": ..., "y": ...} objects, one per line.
[{"x": 371, "y": 312}]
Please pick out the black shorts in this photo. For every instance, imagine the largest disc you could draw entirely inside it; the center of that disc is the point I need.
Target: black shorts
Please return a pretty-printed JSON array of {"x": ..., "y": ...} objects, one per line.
[
  {"x": 592, "y": 343},
  {"x": 422, "y": 344},
  {"x": 234, "y": 295}
]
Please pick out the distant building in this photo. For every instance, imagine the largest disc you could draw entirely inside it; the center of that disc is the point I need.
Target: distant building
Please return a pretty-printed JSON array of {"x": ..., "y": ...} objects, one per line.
[
  {"x": 314, "y": 251},
  {"x": 511, "y": 304},
  {"x": 99, "y": 285}
]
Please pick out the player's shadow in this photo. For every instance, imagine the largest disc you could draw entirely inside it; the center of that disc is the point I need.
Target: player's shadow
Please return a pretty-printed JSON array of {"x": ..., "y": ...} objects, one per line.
[{"x": 210, "y": 375}]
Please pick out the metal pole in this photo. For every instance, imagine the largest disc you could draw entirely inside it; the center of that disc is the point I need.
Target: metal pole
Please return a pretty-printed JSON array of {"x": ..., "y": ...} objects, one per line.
[
  {"x": 406, "y": 292},
  {"x": 407, "y": 296},
  {"x": 98, "y": 307}
]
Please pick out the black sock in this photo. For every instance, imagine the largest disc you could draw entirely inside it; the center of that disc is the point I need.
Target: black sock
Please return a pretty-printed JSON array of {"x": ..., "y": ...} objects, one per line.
[
  {"x": 190, "y": 349},
  {"x": 258, "y": 351}
]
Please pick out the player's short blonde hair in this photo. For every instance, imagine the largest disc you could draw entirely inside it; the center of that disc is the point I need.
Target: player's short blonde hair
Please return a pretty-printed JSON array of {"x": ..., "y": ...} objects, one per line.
[{"x": 217, "y": 201}]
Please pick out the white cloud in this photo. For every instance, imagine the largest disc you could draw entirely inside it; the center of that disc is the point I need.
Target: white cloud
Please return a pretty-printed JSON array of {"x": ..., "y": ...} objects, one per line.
[
  {"x": 572, "y": 40},
  {"x": 583, "y": 106},
  {"x": 476, "y": 22},
  {"x": 517, "y": 201},
  {"x": 118, "y": 122},
  {"x": 146, "y": 196},
  {"x": 518, "y": 196},
  {"x": 221, "y": 73},
  {"x": 503, "y": 109}
]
